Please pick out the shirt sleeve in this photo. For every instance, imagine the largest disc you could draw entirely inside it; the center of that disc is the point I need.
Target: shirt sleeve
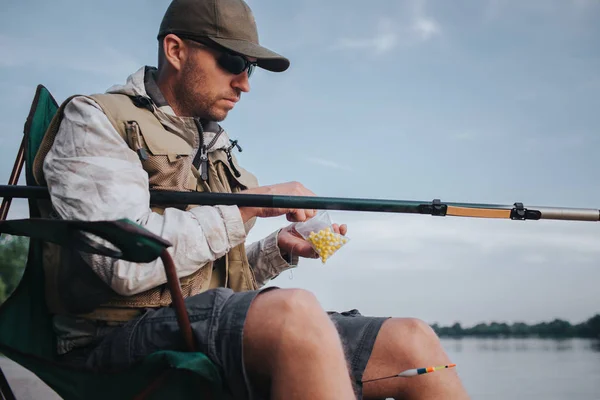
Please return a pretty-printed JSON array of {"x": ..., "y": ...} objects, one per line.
[
  {"x": 92, "y": 174},
  {"x": 266, "y": 259}
]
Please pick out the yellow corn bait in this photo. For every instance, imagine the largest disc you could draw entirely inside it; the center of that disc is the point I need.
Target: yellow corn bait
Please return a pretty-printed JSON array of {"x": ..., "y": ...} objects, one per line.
[{"x": 326, "y": 242}]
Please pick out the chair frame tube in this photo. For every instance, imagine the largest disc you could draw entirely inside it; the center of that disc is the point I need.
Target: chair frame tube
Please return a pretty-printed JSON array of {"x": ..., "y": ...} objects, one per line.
[{"x": 14, "y": 179}]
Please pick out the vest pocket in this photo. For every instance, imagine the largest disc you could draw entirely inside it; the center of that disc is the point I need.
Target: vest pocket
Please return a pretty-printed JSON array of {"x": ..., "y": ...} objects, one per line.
[
  {"x": 242, "y": 179},
  {"x": 165, "y": 156}
]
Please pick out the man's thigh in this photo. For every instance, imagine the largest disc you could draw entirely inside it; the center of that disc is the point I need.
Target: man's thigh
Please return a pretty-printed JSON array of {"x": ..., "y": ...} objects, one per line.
[{"x": 217, "y": 318}]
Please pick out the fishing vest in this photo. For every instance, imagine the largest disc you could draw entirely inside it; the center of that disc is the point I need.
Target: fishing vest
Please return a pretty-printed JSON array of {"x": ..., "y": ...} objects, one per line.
[{"x": 72, "y": 287}]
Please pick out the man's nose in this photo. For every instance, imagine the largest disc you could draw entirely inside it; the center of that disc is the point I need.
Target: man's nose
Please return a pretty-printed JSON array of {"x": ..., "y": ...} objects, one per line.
[{"x": 241, "y": 82}]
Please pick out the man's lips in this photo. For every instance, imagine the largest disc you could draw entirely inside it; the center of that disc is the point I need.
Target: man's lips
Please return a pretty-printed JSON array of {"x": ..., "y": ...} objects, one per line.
[{"x": 231, "y": 102}]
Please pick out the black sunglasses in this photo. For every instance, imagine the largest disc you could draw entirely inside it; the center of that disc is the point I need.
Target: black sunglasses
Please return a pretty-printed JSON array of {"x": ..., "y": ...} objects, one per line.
[
  {"x": 235, "y": 63},
  {"x": 231, "y": 62}
]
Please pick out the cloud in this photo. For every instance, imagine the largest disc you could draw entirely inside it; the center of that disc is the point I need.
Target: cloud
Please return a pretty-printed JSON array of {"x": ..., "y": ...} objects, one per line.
[
  {"x": 404, "y": 242},
  {"x": 428, "y": 242},
  {"x": 329, "y": 164},
  {"x": 101, "y": 59},
  {"x": 425, "y": 28},
  {"x": 380, "y": 43},
  {"x": 417, "y": 27}
]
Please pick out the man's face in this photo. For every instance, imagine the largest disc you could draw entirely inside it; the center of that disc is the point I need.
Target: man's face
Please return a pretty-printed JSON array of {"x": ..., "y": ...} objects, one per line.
[{"x": 203, "y": 88}]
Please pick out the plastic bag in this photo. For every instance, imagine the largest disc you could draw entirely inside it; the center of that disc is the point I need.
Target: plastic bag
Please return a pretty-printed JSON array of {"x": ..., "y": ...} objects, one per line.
[{"x": 318, "y": 231}]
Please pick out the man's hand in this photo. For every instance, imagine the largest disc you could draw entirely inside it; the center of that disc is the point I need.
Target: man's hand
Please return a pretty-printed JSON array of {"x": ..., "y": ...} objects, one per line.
[
  {"x": 284, "y": 189},
  {"x": 291, "y": 242}
]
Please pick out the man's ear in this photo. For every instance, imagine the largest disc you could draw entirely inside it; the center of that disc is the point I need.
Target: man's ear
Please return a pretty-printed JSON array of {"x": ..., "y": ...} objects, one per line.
[{"x": 174, "y": 51}]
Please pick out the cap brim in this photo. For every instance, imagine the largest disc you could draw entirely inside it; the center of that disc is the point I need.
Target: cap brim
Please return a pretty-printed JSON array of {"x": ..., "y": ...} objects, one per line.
[{"x": 266, "y": 58}]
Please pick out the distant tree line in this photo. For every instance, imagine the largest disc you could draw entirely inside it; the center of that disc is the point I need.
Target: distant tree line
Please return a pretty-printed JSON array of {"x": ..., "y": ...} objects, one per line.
[{"x": 555, "y": 329}]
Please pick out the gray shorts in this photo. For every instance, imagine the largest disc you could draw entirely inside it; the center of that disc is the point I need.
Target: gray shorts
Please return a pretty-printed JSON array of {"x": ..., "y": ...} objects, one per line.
[{"x": 217, "y": 317}]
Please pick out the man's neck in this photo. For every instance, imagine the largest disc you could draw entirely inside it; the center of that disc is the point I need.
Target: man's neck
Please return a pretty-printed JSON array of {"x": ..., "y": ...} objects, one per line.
[{"x": 165, "y": 84}]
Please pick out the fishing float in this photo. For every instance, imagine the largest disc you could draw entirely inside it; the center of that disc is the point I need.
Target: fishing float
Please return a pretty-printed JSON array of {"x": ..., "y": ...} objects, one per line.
[{"x": 414, "y": 372}]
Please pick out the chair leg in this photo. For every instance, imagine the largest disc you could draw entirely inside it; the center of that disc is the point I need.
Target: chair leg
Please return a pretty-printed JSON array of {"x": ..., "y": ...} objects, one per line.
[
  {"x": 14, "y": 179},
  {"x": 178, "y": 301},
  {"x": 6, "y": 392}
]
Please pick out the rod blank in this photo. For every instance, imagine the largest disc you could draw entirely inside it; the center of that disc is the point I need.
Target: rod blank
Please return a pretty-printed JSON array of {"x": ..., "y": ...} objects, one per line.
[{"x": 435, "y": 207}]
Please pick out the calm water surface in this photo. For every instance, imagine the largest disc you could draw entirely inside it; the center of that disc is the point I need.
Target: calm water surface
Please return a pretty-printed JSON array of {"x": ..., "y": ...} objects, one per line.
[{"x": 534, "y": 369}]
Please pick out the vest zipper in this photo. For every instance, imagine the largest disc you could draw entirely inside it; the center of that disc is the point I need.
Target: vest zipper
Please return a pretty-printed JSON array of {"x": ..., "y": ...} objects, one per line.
[
  {"x": 202, "y": 155},
  {"x": 212, "y": 142}
]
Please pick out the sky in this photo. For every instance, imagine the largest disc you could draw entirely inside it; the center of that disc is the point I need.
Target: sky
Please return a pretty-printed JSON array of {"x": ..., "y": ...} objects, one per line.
[{"x": 484, "y": 101}]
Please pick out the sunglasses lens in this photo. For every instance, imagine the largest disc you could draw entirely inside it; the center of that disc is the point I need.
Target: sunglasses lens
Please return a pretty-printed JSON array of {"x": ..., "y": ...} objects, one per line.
[
  {"x": 235, "y": 64},
  {"x": 232, "y": 63}
]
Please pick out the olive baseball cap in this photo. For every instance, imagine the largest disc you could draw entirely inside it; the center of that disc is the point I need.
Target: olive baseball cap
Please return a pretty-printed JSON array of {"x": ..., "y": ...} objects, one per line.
[{"x": 228, "y": 23}]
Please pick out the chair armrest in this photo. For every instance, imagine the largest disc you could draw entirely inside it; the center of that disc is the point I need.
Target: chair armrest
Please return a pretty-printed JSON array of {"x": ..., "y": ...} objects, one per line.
[{"x": 131, "y": 242}]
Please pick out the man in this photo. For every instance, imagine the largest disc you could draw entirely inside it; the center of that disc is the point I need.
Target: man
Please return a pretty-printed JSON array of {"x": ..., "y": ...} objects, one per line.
[{"x": 160, "y": 130}]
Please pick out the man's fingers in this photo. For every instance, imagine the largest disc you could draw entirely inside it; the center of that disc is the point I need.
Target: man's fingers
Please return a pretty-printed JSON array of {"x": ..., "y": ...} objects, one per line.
[
  {"x": 343, "y": 229},
  {"x": 336, "y": 228},
  {"x": 295, "y": 215},
  {"x": 300, "y": 215}
]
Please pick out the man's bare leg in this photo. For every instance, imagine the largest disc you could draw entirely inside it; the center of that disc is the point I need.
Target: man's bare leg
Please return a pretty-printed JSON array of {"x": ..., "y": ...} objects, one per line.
[
  {"x": 292, "y": 349},
  {"x": 404, "y": 343}
]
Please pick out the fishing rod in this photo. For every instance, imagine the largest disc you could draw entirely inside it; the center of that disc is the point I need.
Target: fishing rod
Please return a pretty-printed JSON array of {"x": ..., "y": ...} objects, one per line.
[{"x": 516, "y": 211}]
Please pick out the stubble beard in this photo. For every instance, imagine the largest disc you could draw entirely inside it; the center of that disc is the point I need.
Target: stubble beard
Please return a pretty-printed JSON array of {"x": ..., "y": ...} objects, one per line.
[{"x": 193, "y": 98}]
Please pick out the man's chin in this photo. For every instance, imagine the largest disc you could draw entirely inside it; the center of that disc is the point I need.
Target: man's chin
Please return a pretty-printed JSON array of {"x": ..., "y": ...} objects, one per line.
[{"x": 219, "y": 115}]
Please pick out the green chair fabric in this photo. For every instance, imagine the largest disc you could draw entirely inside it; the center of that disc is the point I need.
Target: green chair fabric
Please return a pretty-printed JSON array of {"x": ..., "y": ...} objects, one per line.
[{"x": 26, "y": 334}]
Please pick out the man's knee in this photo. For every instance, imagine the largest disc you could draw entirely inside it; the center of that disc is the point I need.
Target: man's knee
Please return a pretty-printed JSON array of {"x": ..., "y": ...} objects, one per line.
[
  {"x": 413, "y": 327},
  {"x": 284, "y": 322},
  {"x": 289, "y": 318},
  {"x": 297, "y": 302},
  {"x": 409, "y": 338},
  {"x": 285, "y": 310}
]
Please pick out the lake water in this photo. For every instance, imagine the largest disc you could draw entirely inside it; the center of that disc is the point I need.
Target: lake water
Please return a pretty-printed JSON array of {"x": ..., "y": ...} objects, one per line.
[
  {"x": 491, "y": 369},
  {"x": 533, "y": 369}
]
